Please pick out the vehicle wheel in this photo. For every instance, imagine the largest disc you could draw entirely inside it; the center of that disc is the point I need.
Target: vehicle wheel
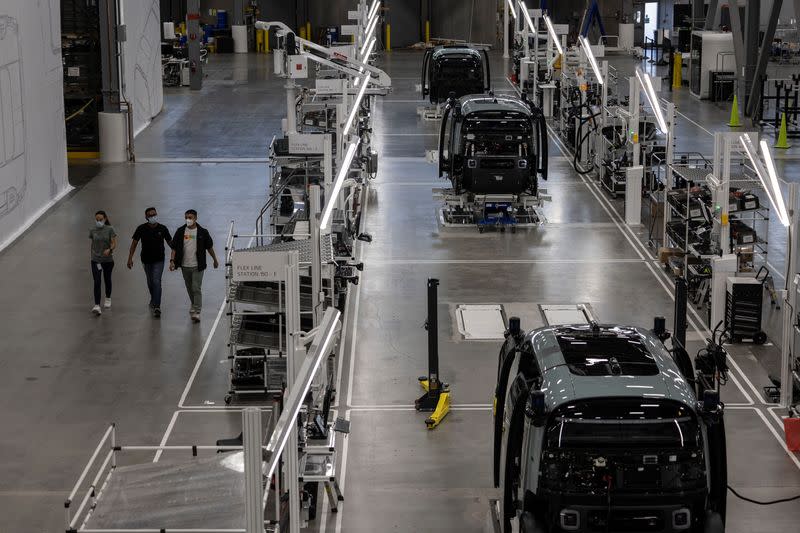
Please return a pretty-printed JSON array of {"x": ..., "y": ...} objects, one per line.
[
  {"x": 760, "y": 338},
  {"x": 528, "y": 524},
  {"x": 714, "y": 523}
]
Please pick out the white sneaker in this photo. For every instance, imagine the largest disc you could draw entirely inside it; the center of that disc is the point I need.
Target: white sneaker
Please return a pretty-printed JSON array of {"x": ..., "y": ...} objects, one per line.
[
  {"x": 107, "y": 303},
  {"x": 96, "y": 310}
]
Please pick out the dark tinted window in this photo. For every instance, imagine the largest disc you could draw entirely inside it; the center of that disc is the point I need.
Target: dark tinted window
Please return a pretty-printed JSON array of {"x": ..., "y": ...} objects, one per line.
[
  {"x": 624, "y": 423},
  {"x": 609, "y": 352}
]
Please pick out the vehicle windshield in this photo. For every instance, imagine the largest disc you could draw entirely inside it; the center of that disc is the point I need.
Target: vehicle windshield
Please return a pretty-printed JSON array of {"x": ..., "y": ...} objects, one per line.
[
  {"x": 625, "y": 423},
  {"x": 463, "y": 68}
]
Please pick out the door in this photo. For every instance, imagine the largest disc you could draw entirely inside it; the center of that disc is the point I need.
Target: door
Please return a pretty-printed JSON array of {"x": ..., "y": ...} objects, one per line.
[
  {"x": 650, "y": 22},
  {"x": 638, "y": 23}
]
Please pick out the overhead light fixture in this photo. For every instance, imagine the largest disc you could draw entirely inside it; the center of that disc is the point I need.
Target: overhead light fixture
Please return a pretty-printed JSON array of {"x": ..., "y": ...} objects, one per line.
[
  {"x": 371, "y": 25},
  {"x": 364, "y": 57},
  {"x": 294, "y": 401},
  {"x": 373, "y": 9},
  {"x": 511, "y": 7},
  {"x": 587, "y": 49},
  {"x": 650, "y": 92},
  {"x": 527, "y": 17},
  {"x": 344, "y": 169},
  {"x": 776, "y": 187},
  {"x": 366, "y": 51},
  {"x": 552, "y": 31},
  {"x": 766, "y": 175},
  {"x": 356, "y": 104}
]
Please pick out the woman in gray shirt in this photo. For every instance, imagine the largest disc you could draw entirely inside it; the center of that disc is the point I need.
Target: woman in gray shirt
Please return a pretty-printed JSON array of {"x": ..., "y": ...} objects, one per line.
[{"x": 104, "y": 240}]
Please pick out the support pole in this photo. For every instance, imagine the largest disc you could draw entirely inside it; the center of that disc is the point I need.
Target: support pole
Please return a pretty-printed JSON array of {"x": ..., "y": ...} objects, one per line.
[
  {"x": 681, "y": 323},
  {"x": 437, "y": 394},
  {"x": 316, "y": 254},
  {"x": 789, "y": 352},
  {"x": 505, "y": 30},
  {"x": 253, "y": 478},
  {"x": 751, "y": 39},
  {"x": 292, "y": 459},
  {"x": 711, "y": 14},
  {"x": 291, "y": 113},
  {"x": 433, "y": 335},
  {"x": 194, "y": 39},
  {"x": 738, "y": 46},
  {"x": 760, "y": 70}
]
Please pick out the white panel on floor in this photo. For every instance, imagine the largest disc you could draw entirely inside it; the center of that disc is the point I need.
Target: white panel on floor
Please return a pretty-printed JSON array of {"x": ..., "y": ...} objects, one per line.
[
  {"x": 481, "y": 322},
  {"x": 561, "y": 314}
]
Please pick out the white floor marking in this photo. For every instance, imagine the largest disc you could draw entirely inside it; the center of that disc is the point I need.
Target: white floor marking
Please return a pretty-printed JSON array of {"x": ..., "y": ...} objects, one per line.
[
  {"x": 503, "y": 261},
  {"x": 165, "y": 438},
  {"x": 202, "y": 355}
]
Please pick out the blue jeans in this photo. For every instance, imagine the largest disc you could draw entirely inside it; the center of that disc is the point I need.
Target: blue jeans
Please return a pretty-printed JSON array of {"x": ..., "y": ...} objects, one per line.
[
  {"x": 153, "y": 272},
  {"x": 104, "y": 270}
]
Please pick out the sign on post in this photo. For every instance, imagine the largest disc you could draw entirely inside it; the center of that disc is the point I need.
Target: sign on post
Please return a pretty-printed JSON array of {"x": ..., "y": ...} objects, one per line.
[{"x": 258, "y": 266}]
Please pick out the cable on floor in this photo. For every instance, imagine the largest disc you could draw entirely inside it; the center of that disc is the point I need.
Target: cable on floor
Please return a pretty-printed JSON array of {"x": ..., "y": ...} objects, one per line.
[{"x": 773, "y": 502}]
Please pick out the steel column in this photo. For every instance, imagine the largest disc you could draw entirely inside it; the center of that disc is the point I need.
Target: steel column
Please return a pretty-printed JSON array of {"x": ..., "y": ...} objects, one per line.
[
  {"x": 789, "y": 352},
  {"x": 738, "y": 46},
  {"x": 253, "y": 478},
  {"x": 711, "y": 14},
  {"x": 763, "y": 58},
  {"x": 752, "y": 17}
]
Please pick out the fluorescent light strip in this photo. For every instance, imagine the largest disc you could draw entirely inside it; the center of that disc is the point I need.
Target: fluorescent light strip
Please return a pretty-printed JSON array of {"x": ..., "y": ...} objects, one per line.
[
  {"x": 652, "y": 98},
  {"x": 284, "y": 437},
  {"x": 776, "y": 188},
  {"x": 527, "y": 17},
  {"x": 344, "y": 169},
  {"x": 752, "y": 154},
  {"x": 552, "y": 33},
  {"x": 364, "y": 60},
  {"x": 356, "y": 104},
  {"x": 587, "y": 49},
  {"x": 511, "y": 7},
  {"x": 373, "y": 9},
  {"x": 370, "y": 29}
]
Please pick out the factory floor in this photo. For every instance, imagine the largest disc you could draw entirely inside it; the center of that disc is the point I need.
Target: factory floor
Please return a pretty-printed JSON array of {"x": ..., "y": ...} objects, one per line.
[{"x": 67, "y": 374}]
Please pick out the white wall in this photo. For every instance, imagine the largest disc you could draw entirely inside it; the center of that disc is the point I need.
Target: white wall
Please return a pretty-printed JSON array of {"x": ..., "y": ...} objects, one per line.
[
  {"x": 142, "y": 73},
  {"x": 33, "y": 160}
]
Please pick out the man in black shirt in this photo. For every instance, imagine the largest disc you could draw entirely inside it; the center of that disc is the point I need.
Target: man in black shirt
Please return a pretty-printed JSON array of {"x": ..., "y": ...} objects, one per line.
[{"x": 153, "y": 236}]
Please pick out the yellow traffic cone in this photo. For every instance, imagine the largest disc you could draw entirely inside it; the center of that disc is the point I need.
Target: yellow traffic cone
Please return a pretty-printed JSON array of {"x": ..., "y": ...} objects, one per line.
[
  {"x": 783, "y": 142},
  {"x": 734, "y": 123}
]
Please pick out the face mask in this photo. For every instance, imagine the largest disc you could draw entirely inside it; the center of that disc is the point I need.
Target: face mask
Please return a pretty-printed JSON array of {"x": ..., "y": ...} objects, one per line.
[
  {"x": 189, "y": 222},
  {"x": 153, "y": 219},
  {"x": 100, "y": 223}
]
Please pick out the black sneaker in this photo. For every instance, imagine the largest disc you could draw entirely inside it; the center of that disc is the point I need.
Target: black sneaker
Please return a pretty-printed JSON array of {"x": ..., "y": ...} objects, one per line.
[{"x": 157, "y": 312}]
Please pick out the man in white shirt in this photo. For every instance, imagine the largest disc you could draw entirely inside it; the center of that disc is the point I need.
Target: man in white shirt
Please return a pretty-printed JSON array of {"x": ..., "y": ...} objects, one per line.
[{"x": 189, "y": 247}]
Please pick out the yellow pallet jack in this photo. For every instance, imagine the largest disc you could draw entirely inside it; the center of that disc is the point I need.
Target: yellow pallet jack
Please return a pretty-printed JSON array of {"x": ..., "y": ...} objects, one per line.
[{"x": 436, "y": 399}]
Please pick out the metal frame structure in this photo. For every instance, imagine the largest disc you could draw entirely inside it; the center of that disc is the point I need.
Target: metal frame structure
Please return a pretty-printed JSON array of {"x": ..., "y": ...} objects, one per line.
[{"x": 258, "y": 470}]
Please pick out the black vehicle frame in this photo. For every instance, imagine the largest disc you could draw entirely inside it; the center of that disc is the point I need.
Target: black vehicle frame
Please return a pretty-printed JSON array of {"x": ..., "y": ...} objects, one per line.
[
  {"x": 493, "y": 145},
  {"x": 454, "y": 71}
]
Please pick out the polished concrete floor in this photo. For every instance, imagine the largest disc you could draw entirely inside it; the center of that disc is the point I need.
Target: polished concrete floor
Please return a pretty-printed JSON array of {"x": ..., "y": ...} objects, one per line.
[{"x": 67, "y": 374}]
